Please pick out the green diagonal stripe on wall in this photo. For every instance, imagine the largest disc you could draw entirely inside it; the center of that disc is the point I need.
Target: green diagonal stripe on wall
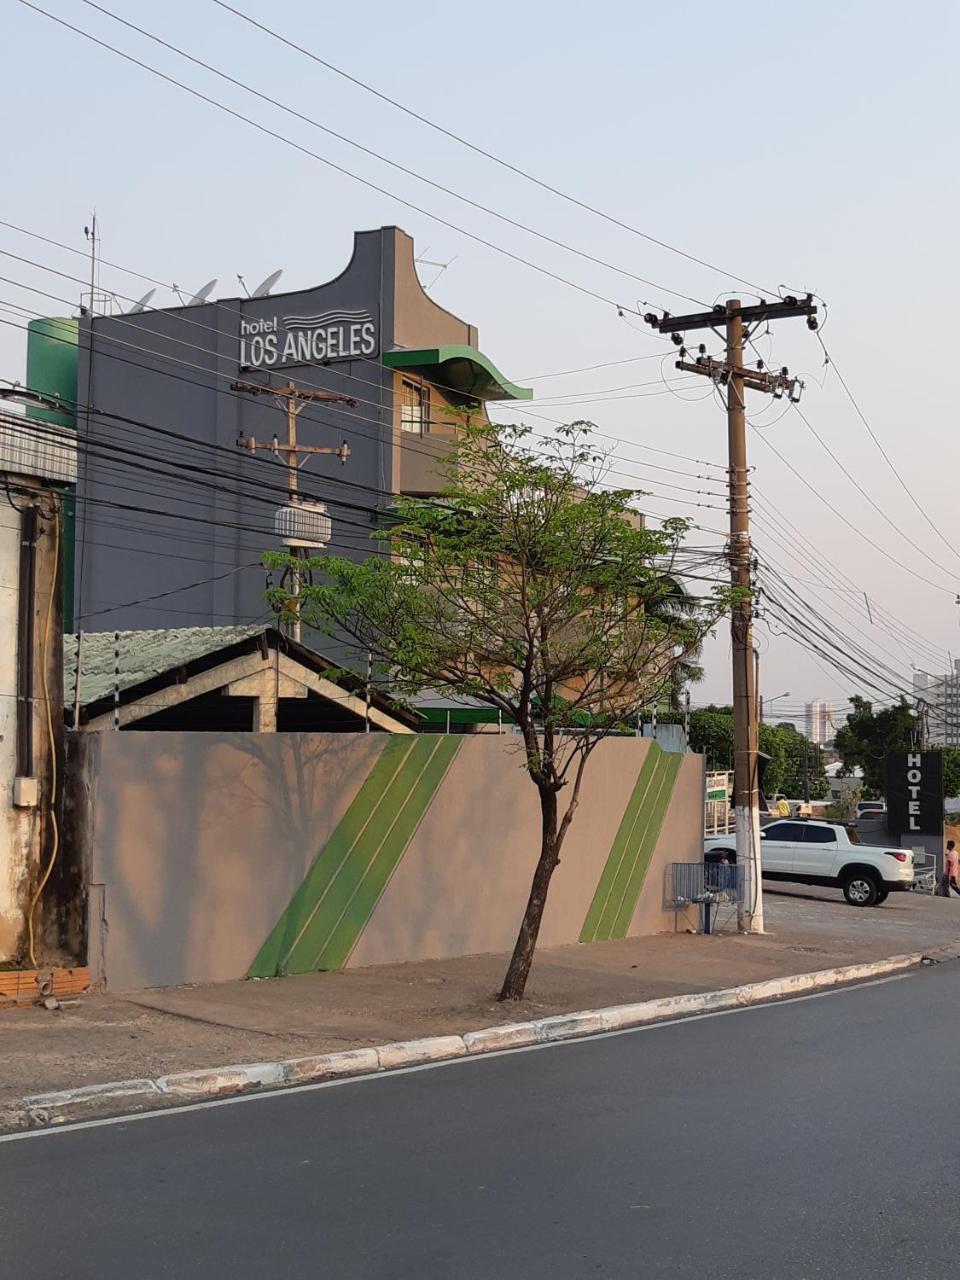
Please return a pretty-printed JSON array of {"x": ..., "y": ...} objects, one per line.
[
  {"x": 621, "y": 881},
  {"x": 329, "y": 911}
]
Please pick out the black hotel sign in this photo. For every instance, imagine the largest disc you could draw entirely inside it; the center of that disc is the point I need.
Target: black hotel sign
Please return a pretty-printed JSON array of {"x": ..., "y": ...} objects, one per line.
[{"x": 915, "y": 792}]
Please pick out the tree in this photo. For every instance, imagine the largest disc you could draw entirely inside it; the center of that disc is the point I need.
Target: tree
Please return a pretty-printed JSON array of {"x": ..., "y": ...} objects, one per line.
[
  {"x": 802, "y": 764},
  {"x": 531, "y": 587},
  {"x": 711, "y": 734},
  {"x": 951, "y": 771},
  {"x": 678, "y": 602},
  {"x": 868, "y": 735}
]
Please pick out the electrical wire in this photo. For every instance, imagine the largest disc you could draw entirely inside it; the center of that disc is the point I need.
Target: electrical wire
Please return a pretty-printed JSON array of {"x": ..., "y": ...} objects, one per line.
[
  {"x": 368, "y": 151},
  {"x": 488, "y": 155},
  {"x": 314, "y": 155},
  {"x": 350, "y": 417},
  {"x": 883, "y": 453},
  {"x": 840, "y": 516},
  {"x": 875, "y": 505}
]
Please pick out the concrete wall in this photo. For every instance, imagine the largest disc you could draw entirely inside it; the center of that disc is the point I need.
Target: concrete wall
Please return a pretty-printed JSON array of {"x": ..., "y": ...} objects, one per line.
[{"x": 217, "y": 855}]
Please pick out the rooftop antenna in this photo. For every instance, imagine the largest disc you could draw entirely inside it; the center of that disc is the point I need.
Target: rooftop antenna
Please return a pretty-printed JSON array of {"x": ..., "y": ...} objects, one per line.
[
  {"x": 243, "y": 284},
  {"x": 176, "y": 290},
  {"x": 142, "y": 304},
  {"x": 264, "y": 287},
  {"x": 90, "y": 232},
  {"x": 441, "y": 267},
  {"x": 203, "y": 294}
]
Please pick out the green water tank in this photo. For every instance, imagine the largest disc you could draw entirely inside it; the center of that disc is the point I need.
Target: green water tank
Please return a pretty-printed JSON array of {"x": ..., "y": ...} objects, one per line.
[
  {"x": 52, "y": 371},
  {"x": 52, "y": 365}
]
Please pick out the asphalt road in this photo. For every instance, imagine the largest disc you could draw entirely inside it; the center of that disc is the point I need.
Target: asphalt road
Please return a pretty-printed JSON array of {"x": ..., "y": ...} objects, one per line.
[{"x": 812, "y": 1139}]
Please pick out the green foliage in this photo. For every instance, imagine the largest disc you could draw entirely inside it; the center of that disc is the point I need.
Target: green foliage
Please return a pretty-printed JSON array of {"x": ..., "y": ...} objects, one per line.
[
  {"x": 951, "y": 771},
  {"x": 711, "y": 734},
  {"x": 868, "y": 735},
  {"x": 529, "y": 586},
  {"x": 533, "y": 588}
]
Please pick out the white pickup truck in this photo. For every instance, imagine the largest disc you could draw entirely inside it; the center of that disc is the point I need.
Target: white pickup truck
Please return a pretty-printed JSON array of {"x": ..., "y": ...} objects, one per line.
[{"x": 824, "y": 853}]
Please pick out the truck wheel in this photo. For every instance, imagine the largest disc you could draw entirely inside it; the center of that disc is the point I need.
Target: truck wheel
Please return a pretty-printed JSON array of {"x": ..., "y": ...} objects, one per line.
[
  {"x": 860, "y": 889},
  {"x": 882, "y": 896}
]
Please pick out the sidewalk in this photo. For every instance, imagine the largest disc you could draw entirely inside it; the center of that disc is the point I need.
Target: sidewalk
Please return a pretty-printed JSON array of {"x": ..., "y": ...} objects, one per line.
[{"x": 149, "y": 1033}]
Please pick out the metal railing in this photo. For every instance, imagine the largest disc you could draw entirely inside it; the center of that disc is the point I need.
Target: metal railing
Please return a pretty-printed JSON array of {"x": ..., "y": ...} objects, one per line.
[{"x": 705, "y": 885}]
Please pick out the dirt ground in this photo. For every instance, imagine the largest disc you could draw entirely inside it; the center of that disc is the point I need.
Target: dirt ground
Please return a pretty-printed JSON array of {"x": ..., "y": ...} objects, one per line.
[{"x": 147, "y": 1033}]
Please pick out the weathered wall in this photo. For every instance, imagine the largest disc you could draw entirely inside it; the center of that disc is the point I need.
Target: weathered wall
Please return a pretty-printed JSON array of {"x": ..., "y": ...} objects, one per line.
[
  {"x": 219, "y": 855},
  {"x": 26, "y": 833}
]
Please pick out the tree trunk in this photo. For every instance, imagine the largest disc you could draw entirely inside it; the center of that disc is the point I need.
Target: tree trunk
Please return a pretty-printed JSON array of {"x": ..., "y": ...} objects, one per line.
[{"x": 515, "y": 982}]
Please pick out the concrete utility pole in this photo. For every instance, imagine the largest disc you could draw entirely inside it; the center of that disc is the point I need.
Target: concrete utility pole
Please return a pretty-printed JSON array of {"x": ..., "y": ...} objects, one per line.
[
  {"x": 294, "y": 400},
  {"x": 733, "y": 374}
]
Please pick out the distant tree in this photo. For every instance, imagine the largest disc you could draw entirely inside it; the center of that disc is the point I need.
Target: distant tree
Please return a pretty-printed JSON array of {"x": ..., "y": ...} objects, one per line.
[
  {"x": 868, "y": 735},
  {"x": 802, "y": 758},
  {"x": 951, "y": 771},
  {"x": 711, "y": 734},
  {"x": 677, "y": 602},
  {"x": 529, "y": 586}
]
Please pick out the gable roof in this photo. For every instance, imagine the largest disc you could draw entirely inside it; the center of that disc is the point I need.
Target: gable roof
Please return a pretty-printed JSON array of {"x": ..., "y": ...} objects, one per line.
[
  {"x": 128, "y": 658},
  {"x": 137, "y": 662}
]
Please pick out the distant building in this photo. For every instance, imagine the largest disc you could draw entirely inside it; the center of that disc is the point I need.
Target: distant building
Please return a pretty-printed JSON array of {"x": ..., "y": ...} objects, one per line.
[
  {"x": 937, "y": 698},
  {"x": 819, "y": 721}
]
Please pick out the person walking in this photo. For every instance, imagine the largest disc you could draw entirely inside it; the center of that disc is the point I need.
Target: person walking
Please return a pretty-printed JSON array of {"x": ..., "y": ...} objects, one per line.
[{"x": 951, "y": 868}]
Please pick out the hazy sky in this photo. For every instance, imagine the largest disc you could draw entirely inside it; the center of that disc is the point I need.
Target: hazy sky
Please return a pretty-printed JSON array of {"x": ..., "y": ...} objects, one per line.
[{"x": 808, "y": 145}]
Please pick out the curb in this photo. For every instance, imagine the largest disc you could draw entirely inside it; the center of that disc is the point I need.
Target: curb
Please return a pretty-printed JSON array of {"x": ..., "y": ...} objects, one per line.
[{"x": 43, "y": 1109}]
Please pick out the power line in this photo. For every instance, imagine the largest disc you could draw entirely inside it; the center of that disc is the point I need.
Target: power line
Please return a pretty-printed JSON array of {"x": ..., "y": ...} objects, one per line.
[
  {"x": 840, "y": 516},
  {"x": 820, "y": 563},
  {"x": 488, "y": 155},
  {"x": 338, "y": 168},
  {"x": 412, "y": 173},
  {"x": 225, "y": 377},
  {"x": 883, "y": 453},
  {"x": 224, "y": 305},
  {"x": 878, "y": 507}
]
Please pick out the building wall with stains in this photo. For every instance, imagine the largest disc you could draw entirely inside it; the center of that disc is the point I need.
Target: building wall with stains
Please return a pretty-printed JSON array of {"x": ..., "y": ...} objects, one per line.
[
  {"x": 214, "y": 856},
  {"x": 31, "y": 683}
]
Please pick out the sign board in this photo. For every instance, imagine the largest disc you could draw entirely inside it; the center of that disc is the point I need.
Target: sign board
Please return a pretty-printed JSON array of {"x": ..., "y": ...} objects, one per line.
[
  {"x": 915, "y": 792},
  {"x": 342, "y": 333}
]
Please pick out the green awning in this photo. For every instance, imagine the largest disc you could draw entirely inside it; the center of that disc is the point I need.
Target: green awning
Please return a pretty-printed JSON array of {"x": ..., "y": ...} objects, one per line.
[{"x": 462, "y": 368}]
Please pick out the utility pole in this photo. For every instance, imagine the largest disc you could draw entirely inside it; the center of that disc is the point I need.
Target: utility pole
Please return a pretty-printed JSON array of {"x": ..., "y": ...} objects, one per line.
[
  {"x": 733, "y": 374},
  {"x": 294, "y": 400}
]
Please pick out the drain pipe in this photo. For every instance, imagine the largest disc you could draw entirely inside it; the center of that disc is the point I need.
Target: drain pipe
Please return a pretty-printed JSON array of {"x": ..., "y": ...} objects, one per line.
[{"x": 26, "y": 641}]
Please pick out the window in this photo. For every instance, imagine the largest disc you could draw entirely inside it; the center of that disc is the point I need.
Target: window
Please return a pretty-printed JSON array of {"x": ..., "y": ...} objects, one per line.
[
  {"x": 414, "y": 408},
  {"x": 819, "y": 835},
  {"x": 792, "y": 831}
]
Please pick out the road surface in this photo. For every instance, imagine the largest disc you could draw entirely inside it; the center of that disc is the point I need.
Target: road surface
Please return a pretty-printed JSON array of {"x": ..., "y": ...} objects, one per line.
[{"x": 812, "y": 1139}]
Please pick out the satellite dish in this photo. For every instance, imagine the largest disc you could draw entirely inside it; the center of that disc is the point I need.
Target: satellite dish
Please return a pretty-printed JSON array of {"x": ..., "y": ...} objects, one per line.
[
  {"x": 143, "y": 303},
  {"x": 203, "y": 294},
  {"x": 265, "y": 286}
]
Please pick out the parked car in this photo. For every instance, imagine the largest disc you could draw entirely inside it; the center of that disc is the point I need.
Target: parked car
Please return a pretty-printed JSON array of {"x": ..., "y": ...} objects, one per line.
[
  {"x": 825, "y": 853},
  {"x": 871, "y": 809}
]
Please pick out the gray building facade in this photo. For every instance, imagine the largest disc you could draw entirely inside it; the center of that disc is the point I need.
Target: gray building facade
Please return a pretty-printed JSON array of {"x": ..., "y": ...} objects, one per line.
[{"x": 173, "y": 516}]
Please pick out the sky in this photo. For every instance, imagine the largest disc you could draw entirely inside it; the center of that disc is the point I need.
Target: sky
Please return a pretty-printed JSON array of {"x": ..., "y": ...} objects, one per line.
[{"x": 802, "y": 146}]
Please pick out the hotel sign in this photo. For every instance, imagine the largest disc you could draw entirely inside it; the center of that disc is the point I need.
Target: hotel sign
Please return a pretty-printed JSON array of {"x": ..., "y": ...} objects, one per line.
[
  {"x": 915, "y": 792},
  {"x": 339, "y": 334}
]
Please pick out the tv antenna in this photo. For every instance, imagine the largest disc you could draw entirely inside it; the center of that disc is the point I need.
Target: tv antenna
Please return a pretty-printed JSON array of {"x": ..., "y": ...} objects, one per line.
[
  {"x": 93, "y": 239},
  {"x": 441, "y": 266}
]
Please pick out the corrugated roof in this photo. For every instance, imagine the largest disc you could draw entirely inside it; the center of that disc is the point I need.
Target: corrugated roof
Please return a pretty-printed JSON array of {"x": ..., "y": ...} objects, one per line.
[{"x": 140, "y": 655}]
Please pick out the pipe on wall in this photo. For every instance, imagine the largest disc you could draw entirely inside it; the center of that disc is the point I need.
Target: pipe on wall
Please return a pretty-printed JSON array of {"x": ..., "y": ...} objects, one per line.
[{"x": 26, "y": 641}]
